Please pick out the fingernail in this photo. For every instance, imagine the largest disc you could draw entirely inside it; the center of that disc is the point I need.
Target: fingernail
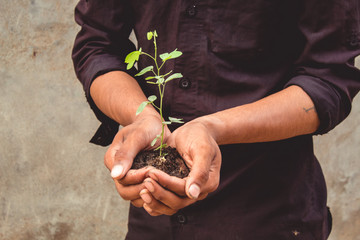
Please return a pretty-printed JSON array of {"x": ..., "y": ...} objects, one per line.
[
  {"x": 145, "y": 197},
  {"x": 116, "y": 171},
  {"x": 147, "y": 208},
  {"x": 194, "y": 191},
  {"x": 149, "y": 186}
]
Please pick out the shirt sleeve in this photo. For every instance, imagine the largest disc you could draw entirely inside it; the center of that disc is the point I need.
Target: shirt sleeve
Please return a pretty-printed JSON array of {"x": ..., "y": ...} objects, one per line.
[
  {"x": 101, "y": 46},
  {"x": 325, "y": 69}
]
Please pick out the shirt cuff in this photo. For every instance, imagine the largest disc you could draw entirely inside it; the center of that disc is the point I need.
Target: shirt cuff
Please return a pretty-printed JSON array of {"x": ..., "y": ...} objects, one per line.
[
  {"x": 328, "y": 102},
  {"x": 96, "y": 67}
]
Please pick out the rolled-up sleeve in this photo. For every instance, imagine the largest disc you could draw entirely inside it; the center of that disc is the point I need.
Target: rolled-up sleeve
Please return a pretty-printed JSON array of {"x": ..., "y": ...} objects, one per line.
[
  {"x": 101, "y": 46},
  {"x": 325, "y": 69}
]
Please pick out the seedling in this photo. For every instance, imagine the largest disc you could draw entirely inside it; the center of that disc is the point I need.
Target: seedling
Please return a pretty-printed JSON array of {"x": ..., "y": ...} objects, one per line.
[{"x": 156, "y": 78}]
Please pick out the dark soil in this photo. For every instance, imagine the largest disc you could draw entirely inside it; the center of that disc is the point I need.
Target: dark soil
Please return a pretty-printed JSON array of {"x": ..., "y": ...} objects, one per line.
[{"x": 172, "y": 163}]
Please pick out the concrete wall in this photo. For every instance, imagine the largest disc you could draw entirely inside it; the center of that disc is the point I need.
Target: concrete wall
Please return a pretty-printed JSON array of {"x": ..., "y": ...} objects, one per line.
[{"x": 53, "y": 184}]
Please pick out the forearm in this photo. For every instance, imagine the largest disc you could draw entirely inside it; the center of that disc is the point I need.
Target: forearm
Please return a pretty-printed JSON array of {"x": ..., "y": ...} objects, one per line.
[
  {"x": 118, "y": 96},
  {"x": 282, "y": 115}
]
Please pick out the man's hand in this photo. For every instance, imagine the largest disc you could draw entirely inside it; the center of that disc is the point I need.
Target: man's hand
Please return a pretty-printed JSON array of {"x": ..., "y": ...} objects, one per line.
[
  {"x": 201, "y": 154},
  {"x": 165, "y": 194},
  {"x": 130, "y": 186},
  {"x": 128, "y": 142}
]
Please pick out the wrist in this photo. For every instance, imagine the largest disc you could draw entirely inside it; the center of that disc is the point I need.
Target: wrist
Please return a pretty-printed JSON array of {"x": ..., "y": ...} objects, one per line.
[
  {"x": 148, "y": 112},
  {"x": 214, "y": 125}
]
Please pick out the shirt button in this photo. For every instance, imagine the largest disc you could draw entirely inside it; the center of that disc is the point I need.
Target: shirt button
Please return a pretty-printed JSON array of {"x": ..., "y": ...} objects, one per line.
[
  {"x": 191, "y": 11},
  {"x": 353, "y": 41},
  {"x": 184, "y": 83},
  {"x": 181, "y": 219}
]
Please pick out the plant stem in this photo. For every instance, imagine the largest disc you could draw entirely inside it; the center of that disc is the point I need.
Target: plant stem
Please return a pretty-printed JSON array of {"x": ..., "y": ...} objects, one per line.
[
  {"x": 161, "y": 93},
  {"x": 148, "y": 55},
  {"x": 155, "y": 57},
  {"x": 162, "y": 118}
]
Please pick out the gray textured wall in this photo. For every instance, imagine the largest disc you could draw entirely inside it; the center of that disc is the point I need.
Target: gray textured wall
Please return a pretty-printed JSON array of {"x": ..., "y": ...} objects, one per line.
[{"x": 53, "y": 184}]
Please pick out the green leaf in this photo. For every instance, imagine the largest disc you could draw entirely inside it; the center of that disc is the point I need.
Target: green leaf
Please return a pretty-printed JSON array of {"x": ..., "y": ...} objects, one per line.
[
  {"x": 149, "y": 35},
  {"x": 150, "y": 77},
  {"x": 151, "y": 82},
  {"x": 174, "y": 76},
  {"x": 141, "y": 107},
  {"x": 154, "y": 141},
  {"x": 167, "y": 122},
  {"x": 176, "y": 120},
  {"x": 155, "y": 33},
  {"x": 152, "y": 98},
  {"x": 131, "y": 58},
  {"x": 160, "y": 80},
  {"x": 164, "y": 56},
  {"x": 145, "y": 70},
  {"x": 175, "y": 54},
  {"x": 172, "y": 55}
]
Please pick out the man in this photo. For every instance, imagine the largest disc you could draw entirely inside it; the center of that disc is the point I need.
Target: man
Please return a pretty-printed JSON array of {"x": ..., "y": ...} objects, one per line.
[{"x": 260, "y": 78}]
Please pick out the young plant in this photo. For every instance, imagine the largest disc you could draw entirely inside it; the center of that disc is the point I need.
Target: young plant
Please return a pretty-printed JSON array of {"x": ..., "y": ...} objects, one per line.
[{"x": 156, "y": 78}]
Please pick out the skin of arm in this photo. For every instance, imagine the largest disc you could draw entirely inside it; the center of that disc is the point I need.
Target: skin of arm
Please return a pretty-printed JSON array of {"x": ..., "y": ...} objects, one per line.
[
  {"x": 118, "y": 95},
  {"x": 282, "y": 115}
]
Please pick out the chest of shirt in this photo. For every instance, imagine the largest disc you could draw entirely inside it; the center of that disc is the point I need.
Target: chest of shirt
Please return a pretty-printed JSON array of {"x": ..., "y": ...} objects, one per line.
[
  {"x": 229, "y": 49},
  {"x": 241, "y": 28}
]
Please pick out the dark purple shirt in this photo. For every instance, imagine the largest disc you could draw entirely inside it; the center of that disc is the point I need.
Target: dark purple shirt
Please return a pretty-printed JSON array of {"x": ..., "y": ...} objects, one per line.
[{"x": 235, "y": 52}]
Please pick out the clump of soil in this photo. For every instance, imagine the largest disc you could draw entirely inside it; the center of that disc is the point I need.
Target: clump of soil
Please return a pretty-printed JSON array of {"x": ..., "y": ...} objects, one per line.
[{"x": 172, "y": 163}]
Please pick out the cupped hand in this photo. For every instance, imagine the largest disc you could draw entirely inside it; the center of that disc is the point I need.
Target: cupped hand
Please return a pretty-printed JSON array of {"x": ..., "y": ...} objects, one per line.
[
  {"x": 202, "y": 155},
  {"x": 128, "y": 142},
  {"x": 165, "y": 194}
]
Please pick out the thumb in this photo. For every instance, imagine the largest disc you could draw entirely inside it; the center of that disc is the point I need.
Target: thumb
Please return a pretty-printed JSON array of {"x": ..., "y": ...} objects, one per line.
[
  {"x": 123, "y": 158},
  {"x": 198, "y": 176}
]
